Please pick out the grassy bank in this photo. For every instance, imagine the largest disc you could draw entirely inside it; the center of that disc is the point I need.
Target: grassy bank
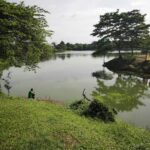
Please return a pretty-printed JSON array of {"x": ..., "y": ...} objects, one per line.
[{"x": 37, "y": 125}]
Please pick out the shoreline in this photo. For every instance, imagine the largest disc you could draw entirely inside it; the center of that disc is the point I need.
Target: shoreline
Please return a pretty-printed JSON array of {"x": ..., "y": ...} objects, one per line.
[
  {"x": 41, "y": 125},
  {"x": 129, "y": 66}
]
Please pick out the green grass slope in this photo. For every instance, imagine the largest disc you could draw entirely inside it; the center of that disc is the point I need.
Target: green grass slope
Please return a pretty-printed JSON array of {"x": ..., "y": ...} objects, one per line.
[{"x": 37, "y": 125}]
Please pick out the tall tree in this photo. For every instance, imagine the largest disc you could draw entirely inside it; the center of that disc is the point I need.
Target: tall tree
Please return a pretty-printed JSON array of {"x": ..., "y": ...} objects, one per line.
[
  {"x": 134, "y": 28},
  {"x": 121, "y": 28},
  {"x": 61, "y": 46},
  {"x": 22, "y": 33},
  {"x": 103, "y": 47},
  {"x": 145, "y": 45}
]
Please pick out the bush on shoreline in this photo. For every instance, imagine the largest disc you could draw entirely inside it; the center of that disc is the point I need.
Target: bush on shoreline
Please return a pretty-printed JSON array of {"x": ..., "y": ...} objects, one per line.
[{"x": 93, "y": 109}]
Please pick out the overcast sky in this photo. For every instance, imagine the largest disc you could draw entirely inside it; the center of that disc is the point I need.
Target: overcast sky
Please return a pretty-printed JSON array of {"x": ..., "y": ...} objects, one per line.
[{"x": 73, "y": 20}]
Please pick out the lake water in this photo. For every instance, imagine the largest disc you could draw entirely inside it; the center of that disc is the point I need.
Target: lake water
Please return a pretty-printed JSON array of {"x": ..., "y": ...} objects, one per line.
[{"x": 66, "y": 74}]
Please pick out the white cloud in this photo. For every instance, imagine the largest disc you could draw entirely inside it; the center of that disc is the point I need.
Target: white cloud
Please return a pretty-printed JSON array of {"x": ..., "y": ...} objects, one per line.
[
  {"x": 137, "y": 3},
  {"x": 72, "y": 21}
]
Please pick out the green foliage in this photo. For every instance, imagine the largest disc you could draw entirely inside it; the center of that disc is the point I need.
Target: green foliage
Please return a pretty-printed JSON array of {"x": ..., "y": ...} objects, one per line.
[
  {"x": 62, "y": 46},
  {"x": 145, "y": 46},
  {"x": 98, "y": 110},
  {"x": 103, "y": 47},
  {"x": 146, "y": 43},
  {"x": 80, "y": 106},
  {"x": 23, "y": 33},
  {"x": 93, "y": 109},
  {"x": 41, "y": 125},
  {"x": 125, "y": 28}
]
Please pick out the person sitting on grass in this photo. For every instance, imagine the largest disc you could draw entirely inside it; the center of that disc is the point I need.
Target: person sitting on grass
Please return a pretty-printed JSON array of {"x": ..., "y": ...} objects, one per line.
[{"x": 31, "y": 94}]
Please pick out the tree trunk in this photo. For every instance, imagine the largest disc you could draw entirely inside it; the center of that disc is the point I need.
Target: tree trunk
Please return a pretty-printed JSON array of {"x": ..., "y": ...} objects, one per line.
[
  {"x": 119, "y": 50},
  {"x": 146, "y": 55},
  {"x": 132, "y": 52},
  {"x": 120, "y": 56},
  {"x": 132, "y": 49}
]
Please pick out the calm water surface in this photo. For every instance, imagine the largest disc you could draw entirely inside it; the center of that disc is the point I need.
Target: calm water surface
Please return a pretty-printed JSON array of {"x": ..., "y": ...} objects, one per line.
[{"x": 64, "y": 77}]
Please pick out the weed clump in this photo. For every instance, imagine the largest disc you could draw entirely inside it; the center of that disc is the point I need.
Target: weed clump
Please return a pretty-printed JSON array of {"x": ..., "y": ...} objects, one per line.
[{"x": 94, "y": 109}]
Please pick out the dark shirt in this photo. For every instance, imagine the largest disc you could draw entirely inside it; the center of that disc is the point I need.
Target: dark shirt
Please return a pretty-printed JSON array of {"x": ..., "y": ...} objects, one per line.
[{"x": 31, "y": 94}]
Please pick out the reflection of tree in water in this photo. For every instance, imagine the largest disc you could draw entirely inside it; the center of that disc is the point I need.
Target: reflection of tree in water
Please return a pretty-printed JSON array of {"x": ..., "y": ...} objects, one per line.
[
  {"x": 64, "y": 55},
  {"x": 7, "y": 84},
  {"x": 61, "y": 56},
  {"x": 123, "y": 95},
  {"x": 102, "y": 74}
]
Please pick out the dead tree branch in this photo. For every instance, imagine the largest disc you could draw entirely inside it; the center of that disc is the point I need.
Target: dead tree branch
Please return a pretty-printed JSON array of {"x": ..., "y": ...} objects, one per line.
[{"x": 84, "y": 96}]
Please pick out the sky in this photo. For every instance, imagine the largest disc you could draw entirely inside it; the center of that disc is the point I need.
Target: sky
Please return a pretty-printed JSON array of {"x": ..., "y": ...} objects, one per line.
[{"x": 72, "y": 20}]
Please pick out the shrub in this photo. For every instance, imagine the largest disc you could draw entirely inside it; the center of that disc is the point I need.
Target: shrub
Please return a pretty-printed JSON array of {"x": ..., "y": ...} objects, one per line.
[
  {"x": 98, "y": 110},
  {"x": 80, "y": 106},
  {"x": 94, "y": 109}
]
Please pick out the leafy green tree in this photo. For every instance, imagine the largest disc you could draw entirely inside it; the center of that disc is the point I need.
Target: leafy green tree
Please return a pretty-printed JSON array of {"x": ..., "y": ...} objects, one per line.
[
  {"x": 135, "y": 28},
  {"x": 69, "y": 46},
  {"x": 93, "y": 45},
  {"x": 120, "y": 28},
  {"x": 61, "y": 46},
  {"x": 103, "y": 47},
  {"x": 145, "y": 46},
  {"x": 23, "y": 33}
]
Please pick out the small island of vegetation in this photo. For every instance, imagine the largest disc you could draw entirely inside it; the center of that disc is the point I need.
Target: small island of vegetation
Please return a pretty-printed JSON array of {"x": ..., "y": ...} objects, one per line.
[{"x": 125, "y": 31}]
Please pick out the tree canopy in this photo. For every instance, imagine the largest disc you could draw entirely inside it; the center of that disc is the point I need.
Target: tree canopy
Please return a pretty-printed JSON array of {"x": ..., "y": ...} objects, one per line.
[
  {"x": 125, "y": 29},
  {"x": 23, "y": 33},
  {"x": 62, "y": 46}
]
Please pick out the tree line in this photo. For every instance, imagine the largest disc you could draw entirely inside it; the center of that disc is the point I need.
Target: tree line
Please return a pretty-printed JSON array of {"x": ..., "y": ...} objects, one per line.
[{"x": 62, "y": 46}]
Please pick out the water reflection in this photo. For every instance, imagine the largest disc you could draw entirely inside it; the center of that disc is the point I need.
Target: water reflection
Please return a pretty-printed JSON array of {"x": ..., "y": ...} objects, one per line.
[
  {"x": 102, "y": 74},
  {"x": 69, "y": 54},
  {"x": 124, "y": 94},
  {"x": 7, "y": 83},
  {"x": 61, "y": 56}
]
